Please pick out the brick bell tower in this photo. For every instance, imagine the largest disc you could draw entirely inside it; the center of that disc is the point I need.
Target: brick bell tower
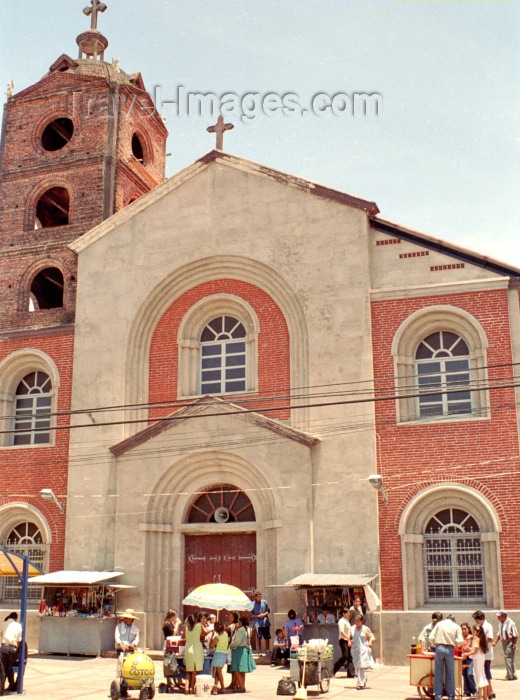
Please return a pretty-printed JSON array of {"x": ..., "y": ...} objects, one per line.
[{"x": 76, "y": 147}]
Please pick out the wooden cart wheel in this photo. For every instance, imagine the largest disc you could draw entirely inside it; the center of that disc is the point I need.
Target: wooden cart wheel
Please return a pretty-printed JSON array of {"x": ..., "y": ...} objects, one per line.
[
  {"x": 424, "y": 688},
  {"x": 324, "y": 683}
]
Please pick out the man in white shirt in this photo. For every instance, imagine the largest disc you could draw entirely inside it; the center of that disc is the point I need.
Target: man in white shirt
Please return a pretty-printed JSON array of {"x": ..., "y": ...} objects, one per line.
[
  {"x": 326, "y": 617},
  {"x": 424, "y": 637},
  {"x": 11, "y": 637},
  {"x": 508, "y": 633},
  {"x": 480, "y": 619},
  {"x": 445, "y": 636},
  {"x": 345, "y": 633}
]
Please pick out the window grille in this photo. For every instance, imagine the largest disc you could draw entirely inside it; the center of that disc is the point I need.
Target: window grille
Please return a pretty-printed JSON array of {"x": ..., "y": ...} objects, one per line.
[
  {"x": 442, "y": 363},
  {"x": 453, "y": 559},
  {"x": 32, "y": 410},
  {"x": 223, "y": 356},
  {"x": 24, "y": 539}
]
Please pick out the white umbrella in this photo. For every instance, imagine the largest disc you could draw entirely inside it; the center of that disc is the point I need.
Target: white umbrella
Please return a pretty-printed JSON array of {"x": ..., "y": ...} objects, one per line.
[{"x": 218, "y": 596}]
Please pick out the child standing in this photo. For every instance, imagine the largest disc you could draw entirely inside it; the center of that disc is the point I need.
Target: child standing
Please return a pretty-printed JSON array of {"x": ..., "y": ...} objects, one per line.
[{"x": 219, "y": 643}]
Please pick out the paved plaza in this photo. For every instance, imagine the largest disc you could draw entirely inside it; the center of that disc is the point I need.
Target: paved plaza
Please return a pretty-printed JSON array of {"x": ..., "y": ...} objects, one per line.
[{"x": 86, "y": 678}]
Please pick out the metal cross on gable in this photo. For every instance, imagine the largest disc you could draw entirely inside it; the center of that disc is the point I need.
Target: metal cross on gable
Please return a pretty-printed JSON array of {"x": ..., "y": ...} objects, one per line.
[
  {"x": 97, "y": 6},
  {"x": 219, "y": 128}
]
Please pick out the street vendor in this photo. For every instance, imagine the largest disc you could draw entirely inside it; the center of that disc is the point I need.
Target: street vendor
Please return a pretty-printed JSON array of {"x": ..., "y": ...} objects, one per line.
[
  {"x": 127, "y": 632},
  {"x": 424, "y": 637}
]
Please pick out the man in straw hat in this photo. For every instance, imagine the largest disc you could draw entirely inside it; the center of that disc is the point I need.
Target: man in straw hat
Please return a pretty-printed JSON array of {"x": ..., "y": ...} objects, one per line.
[{"x": 127, "y": 632}]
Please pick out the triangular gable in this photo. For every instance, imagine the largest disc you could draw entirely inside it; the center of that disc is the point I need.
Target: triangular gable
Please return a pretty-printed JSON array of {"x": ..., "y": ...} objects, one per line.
[
  {"x": 212, "y": 406},
  {"x": 63, "y": 63},
  {"x": 440, "y": 246},
  {"x": 47, "y": 85},
  {"x": 231, "y": 161}
]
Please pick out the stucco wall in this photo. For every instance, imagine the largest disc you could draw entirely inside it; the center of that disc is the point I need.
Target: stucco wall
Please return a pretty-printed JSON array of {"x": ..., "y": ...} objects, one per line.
[{"x": 319, "y": 248}]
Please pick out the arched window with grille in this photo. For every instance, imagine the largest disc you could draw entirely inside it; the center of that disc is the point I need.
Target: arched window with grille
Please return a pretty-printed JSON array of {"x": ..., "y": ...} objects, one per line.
[
  {"x": 442, "y": 363},
  {"x": 32, "y": 409},
  {"x": 223, "y": 356},
  {"x": 24, "y": 538},
  {"x": 453, "y": 558},
  {"x": 221, "y": 504}
]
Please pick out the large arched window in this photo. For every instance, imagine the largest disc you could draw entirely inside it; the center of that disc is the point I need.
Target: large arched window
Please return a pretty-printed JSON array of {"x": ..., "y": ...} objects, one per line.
[
  {"x": 223, "y": 356},
  {"x": 450, "y": 548},
  {"x": 442, "y": 363},
  {"x": 453, "y": 561},
  {"x": 32, "y": 409},
  {"x": 24, "y": 538},
  {"x": 218, "y": 347}
]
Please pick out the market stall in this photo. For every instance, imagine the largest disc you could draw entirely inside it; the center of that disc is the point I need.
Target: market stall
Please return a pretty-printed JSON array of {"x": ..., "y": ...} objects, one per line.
[
  {"x": 333, "y": 591},
  {"x": 78, "y": 611}
]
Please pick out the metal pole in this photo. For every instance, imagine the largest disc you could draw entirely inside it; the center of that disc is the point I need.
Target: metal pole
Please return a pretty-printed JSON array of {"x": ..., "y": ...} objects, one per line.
[{"x": 23, "y": 621}]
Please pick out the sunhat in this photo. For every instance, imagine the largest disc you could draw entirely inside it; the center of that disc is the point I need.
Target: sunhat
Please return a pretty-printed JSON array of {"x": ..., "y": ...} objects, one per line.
[{"x": 128, "y": 614}]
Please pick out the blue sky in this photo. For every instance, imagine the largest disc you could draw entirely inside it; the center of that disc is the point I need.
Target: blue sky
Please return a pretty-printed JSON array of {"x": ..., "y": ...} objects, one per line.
[{"x": 442, "y": 157}]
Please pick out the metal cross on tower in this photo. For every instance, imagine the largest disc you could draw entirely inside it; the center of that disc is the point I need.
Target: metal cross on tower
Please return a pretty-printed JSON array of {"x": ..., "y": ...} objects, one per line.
[
  {"x": 219, "y": 128},
  {"x": 97, "y": 6}
]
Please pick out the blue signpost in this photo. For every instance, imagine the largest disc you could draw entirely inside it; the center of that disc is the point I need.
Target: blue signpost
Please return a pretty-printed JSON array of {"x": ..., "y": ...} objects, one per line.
[{"x": 15, "y": 560}]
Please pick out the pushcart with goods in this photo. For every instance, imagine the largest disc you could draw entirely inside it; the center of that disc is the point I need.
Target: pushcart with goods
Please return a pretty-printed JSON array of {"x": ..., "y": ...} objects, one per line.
[
  {"x": 422, "y": 667},
  {"x": 136, "y": 671},
  {"x": 315, "y": 668}
]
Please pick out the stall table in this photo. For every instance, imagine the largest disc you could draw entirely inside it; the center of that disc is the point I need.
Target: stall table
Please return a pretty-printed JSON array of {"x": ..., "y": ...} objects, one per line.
[{"x": 76, "y": 635}]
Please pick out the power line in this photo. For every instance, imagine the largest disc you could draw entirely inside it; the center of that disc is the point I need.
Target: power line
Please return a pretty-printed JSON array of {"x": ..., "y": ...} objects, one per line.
[
  {"x": 269, "y": 409},
  {"x": 272, "y": 396}
]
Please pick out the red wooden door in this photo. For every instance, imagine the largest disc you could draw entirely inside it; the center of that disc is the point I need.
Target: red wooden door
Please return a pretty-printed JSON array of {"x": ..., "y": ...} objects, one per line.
[{"x": 220, "y": 558}]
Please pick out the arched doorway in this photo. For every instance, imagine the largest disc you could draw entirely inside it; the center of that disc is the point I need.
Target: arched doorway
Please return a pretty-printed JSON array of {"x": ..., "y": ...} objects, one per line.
[{"x": 227, "y": 555}]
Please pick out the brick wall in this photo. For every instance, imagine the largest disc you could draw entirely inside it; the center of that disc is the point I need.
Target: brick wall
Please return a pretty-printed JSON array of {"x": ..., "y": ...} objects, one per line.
[
  {"x": 25, "y": 470},
  {"x": 477, "y": 453},
  {"x": 273, "y": 347}
]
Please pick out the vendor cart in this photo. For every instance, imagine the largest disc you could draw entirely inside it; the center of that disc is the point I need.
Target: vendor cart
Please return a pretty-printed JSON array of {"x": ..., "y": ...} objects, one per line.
[
  {"x": 318, "y": 671},
  {"x": 422, "y": 674}
]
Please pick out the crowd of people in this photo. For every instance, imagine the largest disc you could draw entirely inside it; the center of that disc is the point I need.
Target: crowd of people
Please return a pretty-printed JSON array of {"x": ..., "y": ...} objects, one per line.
[
  {"x": 211, "y": 646},
  {"x": 474, "y": 644}
]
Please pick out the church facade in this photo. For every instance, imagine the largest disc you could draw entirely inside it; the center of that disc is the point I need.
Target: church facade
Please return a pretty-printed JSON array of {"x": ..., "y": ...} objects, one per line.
[{"x": 230, "y": 354}]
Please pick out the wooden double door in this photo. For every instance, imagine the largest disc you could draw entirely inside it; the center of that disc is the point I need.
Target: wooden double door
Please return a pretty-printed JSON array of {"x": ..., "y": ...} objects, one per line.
[{"x": 220, "y": 558}]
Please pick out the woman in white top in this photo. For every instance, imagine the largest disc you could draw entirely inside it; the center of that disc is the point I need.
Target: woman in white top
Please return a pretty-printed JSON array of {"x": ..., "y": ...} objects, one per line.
[
  {"x": 479, "y": 647},
  {"x": 361, "y": 642}
]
